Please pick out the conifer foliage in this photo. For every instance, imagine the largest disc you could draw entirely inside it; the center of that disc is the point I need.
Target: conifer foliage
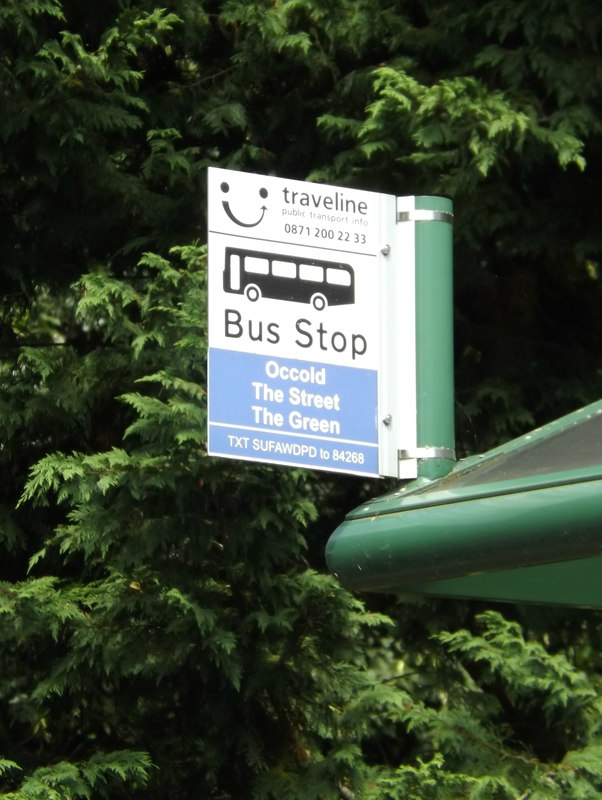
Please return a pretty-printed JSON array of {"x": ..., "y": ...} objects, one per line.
[
  {"x": 182, "y": 618},
  {"x": 166, "y": 627}
]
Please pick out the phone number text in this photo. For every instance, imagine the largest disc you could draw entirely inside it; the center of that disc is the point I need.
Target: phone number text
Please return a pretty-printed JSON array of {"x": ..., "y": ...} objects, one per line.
[{"x": 324, "y": 233}]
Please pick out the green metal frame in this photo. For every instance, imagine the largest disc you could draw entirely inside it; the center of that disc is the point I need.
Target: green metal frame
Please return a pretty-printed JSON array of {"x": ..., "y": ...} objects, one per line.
[{"x": 534, "y": 538}]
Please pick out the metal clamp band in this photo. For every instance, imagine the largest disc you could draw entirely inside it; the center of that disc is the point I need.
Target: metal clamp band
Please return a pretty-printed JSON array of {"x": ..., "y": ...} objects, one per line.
[
  {"x": 428, "y": 452},
  {"x": 425, "y": 215}
]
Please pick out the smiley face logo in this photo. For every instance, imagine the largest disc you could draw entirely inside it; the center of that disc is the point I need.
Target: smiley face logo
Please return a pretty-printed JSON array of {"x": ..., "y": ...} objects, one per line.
[{"x": 263, "y": 193}]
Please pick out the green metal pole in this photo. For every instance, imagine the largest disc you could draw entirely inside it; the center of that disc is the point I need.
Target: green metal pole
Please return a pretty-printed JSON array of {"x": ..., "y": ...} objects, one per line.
[{"x": 434, "y": 336}]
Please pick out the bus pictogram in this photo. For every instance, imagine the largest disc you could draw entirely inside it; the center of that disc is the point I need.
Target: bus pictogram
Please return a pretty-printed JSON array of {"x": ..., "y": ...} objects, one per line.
[{"x": 300, "y": 280}]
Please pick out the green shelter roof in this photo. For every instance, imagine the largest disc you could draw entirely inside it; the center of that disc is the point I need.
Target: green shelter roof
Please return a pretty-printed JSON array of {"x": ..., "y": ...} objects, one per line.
[{"x": 521, "y": 522}]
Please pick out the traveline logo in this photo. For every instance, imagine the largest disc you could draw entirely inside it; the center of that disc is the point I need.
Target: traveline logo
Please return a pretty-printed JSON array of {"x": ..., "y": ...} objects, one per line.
[{"x": 328, "y": 202}]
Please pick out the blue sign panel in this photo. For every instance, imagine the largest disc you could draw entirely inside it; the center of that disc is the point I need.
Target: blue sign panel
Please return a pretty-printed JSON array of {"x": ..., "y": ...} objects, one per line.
[{"x": 288, "y": 411}]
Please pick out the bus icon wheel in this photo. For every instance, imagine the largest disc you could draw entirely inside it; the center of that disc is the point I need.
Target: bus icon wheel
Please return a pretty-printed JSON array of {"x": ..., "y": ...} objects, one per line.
[
  {"x": 252, "y": 292},
  {"x": 319, "y": 302}
]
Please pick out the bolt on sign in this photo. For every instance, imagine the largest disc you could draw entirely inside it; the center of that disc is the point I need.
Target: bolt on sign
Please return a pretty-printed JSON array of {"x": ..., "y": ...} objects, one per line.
[{"x": 308, "y": 303}]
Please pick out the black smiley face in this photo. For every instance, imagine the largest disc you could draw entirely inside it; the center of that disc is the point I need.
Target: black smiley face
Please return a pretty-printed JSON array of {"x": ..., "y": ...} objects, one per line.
[{"x": 263, "y": 193}]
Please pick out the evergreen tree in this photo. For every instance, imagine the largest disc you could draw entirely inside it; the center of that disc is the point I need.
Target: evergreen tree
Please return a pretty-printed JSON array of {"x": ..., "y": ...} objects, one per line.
[
  {"x": 166, "y": 626},
  {"x": 489, "y": 103},
  {"x": 180, "y": 617}
]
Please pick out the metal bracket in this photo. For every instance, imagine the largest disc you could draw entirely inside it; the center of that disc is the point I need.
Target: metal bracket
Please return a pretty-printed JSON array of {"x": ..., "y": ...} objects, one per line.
[
  {"x": 427, "y": 452},
  {"x": 424, "y": 215}
]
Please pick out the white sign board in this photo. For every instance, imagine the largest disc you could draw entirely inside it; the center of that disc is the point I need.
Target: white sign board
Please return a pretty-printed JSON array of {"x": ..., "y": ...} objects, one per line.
[{"x": 297, "y": 283}]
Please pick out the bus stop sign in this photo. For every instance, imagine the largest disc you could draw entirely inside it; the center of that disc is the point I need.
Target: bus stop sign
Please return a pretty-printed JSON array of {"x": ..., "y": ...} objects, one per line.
[{"x": 299, "y": 287}]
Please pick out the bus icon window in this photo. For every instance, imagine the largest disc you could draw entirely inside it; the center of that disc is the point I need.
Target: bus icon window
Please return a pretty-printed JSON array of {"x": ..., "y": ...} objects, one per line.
[
  {"x": 311, "y": 272},
  {"x": 284, "y": 269},
  {"x": 256, "y": 266},
  {"x": 338, "y": 277},
  {"x": 278, "y": 277}
]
